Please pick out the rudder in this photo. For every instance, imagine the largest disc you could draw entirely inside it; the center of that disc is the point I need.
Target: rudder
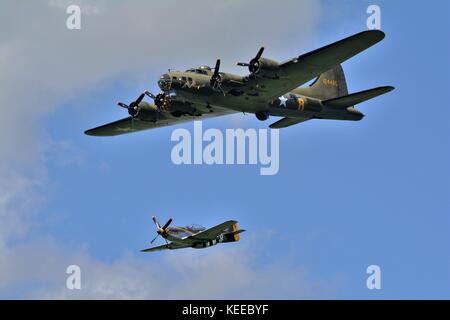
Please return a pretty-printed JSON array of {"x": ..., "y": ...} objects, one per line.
[{"x": 232, "y": 234}]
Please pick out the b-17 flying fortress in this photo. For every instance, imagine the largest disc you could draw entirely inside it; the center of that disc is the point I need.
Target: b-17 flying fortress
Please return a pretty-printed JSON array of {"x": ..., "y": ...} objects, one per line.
[{"x": 271, "y": 88}]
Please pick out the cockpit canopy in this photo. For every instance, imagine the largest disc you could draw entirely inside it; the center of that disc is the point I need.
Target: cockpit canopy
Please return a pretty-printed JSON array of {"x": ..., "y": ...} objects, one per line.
[
  {"x": 195, "y": 227},
  {"x": 182, "y": 232},
  {"x": 200, "y": 70}
]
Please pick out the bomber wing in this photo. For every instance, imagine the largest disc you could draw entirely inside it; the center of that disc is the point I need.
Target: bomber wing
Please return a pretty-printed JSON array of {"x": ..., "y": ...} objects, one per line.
[
  {"x": 128, "y": 125},
  {"x": 299, "y": 70}
]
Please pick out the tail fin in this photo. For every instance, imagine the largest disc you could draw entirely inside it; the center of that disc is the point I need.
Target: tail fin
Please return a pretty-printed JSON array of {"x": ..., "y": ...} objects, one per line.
[
  {"x": 232, "y": 234},
  {"x": 328, "y": 85},
  {"x": 355, "y": 98}
]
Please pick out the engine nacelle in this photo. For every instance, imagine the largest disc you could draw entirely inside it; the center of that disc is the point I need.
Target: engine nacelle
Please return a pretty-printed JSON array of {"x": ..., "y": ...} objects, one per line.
[
  {"x": 147, "y": 112},
  {"x": 265, "y": 67}
]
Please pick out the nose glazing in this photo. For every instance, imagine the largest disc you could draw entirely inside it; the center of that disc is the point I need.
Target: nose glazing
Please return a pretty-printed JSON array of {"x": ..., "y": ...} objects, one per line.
[{"x": 164, "y": 82}]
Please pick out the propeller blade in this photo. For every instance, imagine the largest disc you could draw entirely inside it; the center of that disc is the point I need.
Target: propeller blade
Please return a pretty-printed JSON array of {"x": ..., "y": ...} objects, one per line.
[
  {"x": 167, "y": 224},
  {"x": 139, "y": 99},
  {"x": 252, "y": 62},
  {"x": 259, "y": 54},
  {"x": 215, "y": 80},
  {"x": 123, "y": 105},
  {"x": 149, "y": 94},
  {"x": 216, "y": 69},
  {"x": 215, "y": 75},
  {"x": 151, "y": 242},
  {"x": 156, "y": 222}
]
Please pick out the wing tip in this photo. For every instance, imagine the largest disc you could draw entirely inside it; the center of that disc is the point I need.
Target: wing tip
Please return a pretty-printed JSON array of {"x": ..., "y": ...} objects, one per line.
[
  {"x": 273, "y": 126},
  {"x": 95, "y": 132},
  {"x": 89, "y": 132},
  {"x": 385, "y": 89},
  {"x": 377, "y": 34}
]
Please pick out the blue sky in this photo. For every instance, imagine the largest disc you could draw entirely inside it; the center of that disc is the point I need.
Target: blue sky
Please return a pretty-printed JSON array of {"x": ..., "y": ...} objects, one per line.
[{"x": 348, "y": 194}]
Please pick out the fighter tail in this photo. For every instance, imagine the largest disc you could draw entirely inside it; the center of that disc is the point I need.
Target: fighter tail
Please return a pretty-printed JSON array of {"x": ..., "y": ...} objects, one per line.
[{"x": 233, "y": 234}]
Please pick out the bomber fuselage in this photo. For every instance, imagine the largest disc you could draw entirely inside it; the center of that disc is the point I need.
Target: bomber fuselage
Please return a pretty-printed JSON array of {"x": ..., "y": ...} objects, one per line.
[{"x": 194, "y": 87}]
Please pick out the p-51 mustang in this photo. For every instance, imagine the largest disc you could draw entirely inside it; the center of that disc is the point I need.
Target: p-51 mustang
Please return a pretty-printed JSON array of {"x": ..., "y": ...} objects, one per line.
[
  {"x": 271, "y": 89},
  {"x": 194, "y": 236}
]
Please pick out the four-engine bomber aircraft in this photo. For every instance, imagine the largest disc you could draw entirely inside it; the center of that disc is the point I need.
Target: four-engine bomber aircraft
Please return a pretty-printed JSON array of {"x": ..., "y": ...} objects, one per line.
[
  {"x": 194, "y": 236},
  {"x": 271, "y": 89}
]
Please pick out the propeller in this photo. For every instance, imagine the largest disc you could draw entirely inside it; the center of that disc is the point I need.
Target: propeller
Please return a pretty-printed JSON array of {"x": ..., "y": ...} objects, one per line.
[
  {"x": 159, "y": 99},
  {"x": 133, "y": 107},
  {"x": 161, "y": 231},
  {"x": 253, "y": 65},
  {"x": 216, "y": 79}
]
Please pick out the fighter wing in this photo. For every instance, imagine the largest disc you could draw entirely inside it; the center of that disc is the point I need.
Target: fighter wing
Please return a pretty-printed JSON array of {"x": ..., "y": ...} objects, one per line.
[
  {"x": 299, "y": 70},
  {"x": 212, "y": 233},
  {"x": 169, "y": 246}
]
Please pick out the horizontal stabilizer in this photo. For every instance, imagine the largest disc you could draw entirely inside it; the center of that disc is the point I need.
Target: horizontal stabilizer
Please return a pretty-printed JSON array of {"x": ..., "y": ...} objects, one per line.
[
  {"x": 233, "y": 235},
  {"x": 355, "y": 98},
  {"x": 235, "y": 232},
  {"x": 286, "y": 122}
]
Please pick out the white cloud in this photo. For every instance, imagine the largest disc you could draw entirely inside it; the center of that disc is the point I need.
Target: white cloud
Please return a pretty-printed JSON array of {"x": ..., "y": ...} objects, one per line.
[
  {"x": 228, "y": 272},
  {"x": 44, "y": 65}
]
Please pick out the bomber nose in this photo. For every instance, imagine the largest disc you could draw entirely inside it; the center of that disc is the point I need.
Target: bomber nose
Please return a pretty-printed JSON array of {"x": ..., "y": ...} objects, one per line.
[{"x": 164, "y": 82}]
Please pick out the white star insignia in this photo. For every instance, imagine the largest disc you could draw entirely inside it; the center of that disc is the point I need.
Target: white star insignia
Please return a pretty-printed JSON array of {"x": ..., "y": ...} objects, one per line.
[{"x": 283, "y": 101}]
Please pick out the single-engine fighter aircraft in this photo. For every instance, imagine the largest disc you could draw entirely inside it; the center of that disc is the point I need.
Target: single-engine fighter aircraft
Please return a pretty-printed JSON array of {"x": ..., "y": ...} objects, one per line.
[
  {"x": 194, "y": 236},
  {"x": 271, "y": 89}
]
